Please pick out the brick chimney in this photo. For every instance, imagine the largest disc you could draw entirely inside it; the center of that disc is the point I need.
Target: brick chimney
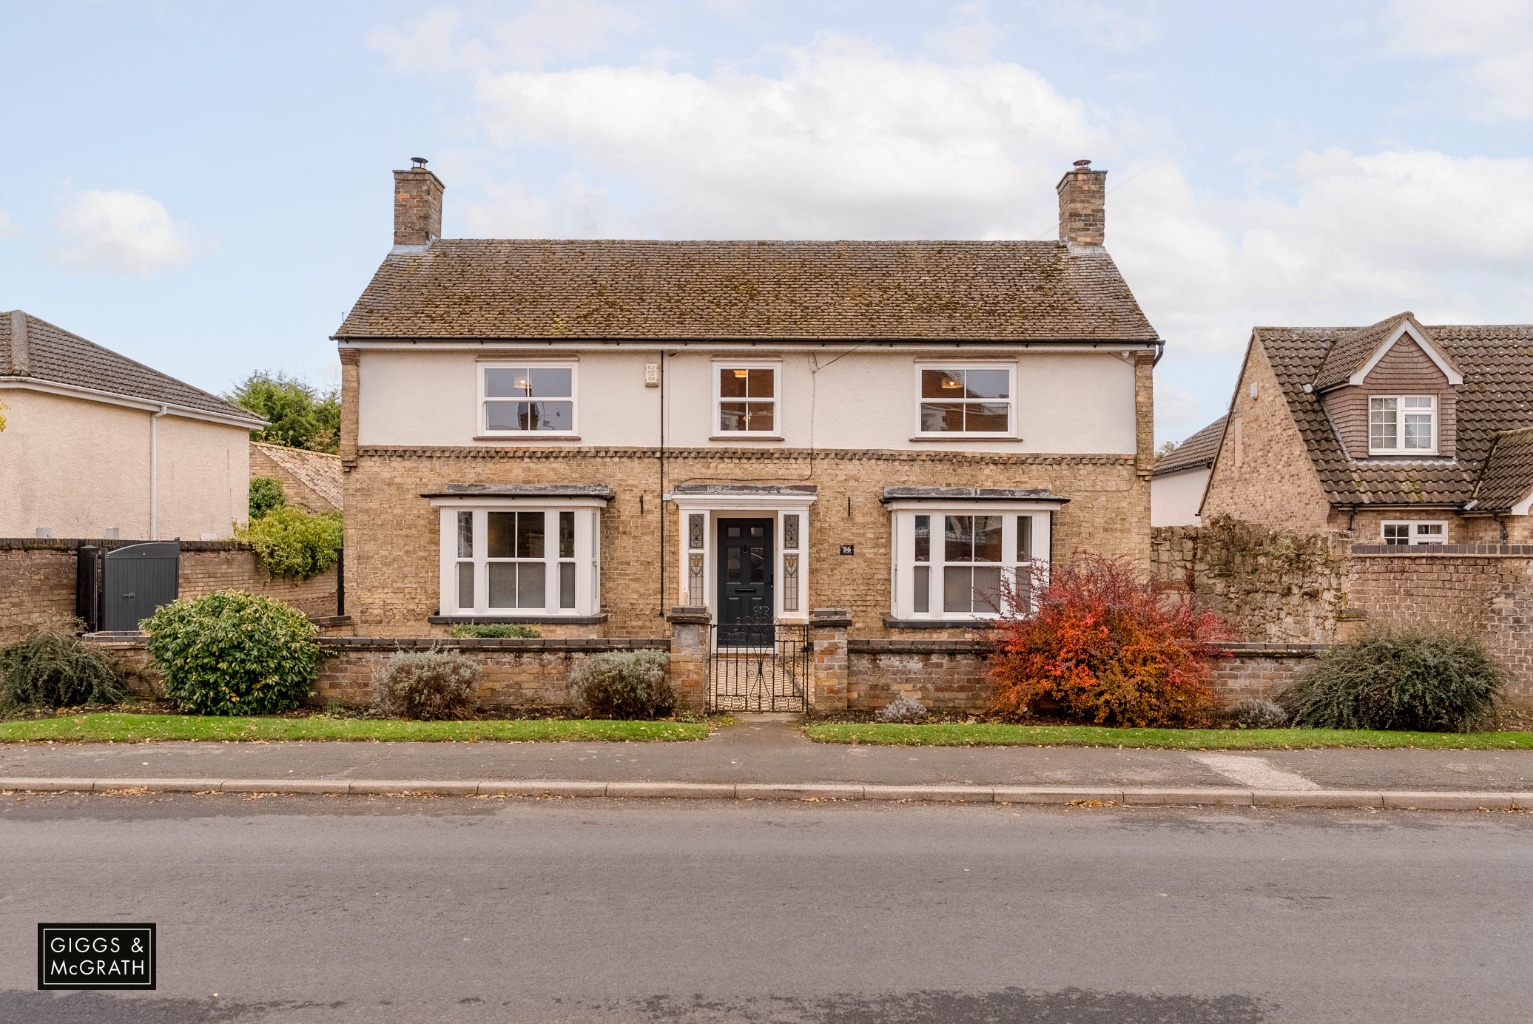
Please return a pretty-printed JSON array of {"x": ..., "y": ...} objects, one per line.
[
  {"x": 417, "y": 205},
  {"x": 1082, "y": 205}
]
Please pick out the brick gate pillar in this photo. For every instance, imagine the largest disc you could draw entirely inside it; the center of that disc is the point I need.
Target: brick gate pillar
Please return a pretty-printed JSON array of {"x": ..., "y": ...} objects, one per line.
[
  {"x": 827, "y": 628},
  {"x": 689, "y": 657}
]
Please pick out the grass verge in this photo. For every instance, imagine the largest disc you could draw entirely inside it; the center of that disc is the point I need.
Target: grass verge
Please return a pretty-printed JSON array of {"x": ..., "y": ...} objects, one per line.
[
  {"x": 117, "y": 727},
  {"x": 1000, "y": 735}
]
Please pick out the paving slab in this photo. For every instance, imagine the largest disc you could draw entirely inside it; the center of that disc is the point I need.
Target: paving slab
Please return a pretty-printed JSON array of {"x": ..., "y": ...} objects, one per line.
[{"x": 766, "y": 752}]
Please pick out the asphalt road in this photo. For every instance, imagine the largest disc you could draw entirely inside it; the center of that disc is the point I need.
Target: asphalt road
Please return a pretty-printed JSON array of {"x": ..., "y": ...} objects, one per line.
[{"x": 380, "y": 910}]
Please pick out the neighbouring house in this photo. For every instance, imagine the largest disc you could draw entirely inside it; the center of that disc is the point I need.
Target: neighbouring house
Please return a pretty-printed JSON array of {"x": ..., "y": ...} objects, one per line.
[
  {"x": 310, "y": 480},
  {"x": 587, "y": 434},
  {"x": 99, "y": 446},
  {"x": 1181, "y": 475},
  {"x": 1399, "y": 432}
]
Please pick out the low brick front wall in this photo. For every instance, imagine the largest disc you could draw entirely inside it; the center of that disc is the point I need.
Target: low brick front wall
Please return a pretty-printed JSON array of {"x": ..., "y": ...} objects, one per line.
[
  {"x": 944, "y": 675},
  {"x": 513, "y": 673},
  {"x": 1262, "y": 670}
]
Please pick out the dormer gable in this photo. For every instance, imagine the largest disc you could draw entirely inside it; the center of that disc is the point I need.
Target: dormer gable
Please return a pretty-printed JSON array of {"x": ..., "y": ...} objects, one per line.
[
  {"x": 1390, "y": 390},
  {"x": 1356, "y": 354}
]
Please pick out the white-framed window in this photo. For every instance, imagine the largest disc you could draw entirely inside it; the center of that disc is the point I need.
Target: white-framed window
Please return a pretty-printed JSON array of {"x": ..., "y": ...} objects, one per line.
[
  {"x": 520, "y": 558},
  {"x": 1402, "y": 424},
  {"x": 968, "y": 399},
  {"x": 1406, "y": 532},
  {"x": 745, "y": 398},
  {"x": 952, "y": 563},
  {"x": 527, "y": 398}
]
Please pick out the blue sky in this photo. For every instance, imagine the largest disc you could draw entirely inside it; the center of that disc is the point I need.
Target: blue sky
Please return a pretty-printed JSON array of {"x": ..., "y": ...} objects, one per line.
[{"x": 205, "y": 186}]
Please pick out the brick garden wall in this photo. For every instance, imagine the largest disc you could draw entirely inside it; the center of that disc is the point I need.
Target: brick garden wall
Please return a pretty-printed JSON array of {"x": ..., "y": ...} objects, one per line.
[
  {"x": 37, "y": 580},
  {"x": 513, "y": 673}
]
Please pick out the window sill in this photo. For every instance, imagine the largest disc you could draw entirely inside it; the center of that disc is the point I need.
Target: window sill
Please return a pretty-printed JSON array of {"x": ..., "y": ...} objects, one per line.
[
  {"x": 536, "y": 435},
  {"x": 746, "y": 437},
  {"x": 890, "y": 622},
  {"x": 1003, "y": 438},
  {"x": 506, "y": 620}
]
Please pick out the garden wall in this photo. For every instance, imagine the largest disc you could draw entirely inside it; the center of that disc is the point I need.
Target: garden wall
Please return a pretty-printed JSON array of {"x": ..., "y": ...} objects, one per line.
[
  {"x": 37, "y": 580},
  {"x": 1273, "y": 587},
  {"x": 513, "y": 673}
]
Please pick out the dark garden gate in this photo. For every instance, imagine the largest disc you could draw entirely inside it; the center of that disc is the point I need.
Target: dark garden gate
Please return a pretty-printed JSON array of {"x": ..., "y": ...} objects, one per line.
[
  {"x": 759, "y": 668},
  {"x": 136, "y": 580}
]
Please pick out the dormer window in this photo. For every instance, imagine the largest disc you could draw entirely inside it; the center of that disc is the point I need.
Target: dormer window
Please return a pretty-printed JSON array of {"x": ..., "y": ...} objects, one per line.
[{"x": 1402, "y": 425}]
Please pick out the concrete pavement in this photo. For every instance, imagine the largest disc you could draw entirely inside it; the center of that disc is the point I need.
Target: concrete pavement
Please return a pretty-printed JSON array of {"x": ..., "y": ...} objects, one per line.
[{"x": 767, "y": 758}]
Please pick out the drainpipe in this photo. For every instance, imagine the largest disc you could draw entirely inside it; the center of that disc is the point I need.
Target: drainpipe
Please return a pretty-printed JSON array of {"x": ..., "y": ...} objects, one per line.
[{"x": 154, "y": 472}]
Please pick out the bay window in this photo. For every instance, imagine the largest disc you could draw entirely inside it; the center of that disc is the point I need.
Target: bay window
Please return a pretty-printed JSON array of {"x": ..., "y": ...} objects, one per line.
[
  {"x": 954, "y": 563},
  {"x": 515, "y": 558}
]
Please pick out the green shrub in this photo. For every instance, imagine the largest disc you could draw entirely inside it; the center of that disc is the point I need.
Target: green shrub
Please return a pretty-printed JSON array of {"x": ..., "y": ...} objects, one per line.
[
  {"x": 291, "y": 542},
  {"x": 1426, "y": 680},
  {"x": 1255, "y": 713},
  {"x": 265, "y": 495},
  {"x": 56, "y": 669},
  {"x": 232, "y": 653},
  {"x": 494, "y": 631},
  {"x": 426, "y": 685},
  {"x": 624, "y": 684}
]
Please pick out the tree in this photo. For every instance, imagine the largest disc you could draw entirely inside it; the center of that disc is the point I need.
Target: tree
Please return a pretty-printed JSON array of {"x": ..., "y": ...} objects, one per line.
[
  {"x": 3, "y": 407},
  {"x": 299, "y": 415}
]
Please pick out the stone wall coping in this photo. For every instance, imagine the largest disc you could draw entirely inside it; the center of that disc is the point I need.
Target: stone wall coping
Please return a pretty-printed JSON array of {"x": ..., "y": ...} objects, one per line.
[
  {"x": 830, "y": 618},
  {"x": 688, "y": 615},
  {"x": 882, "y": 646},
  {"x": 1253, "y": 649},
  {"x": 73, "y": 543},
  {"x": 1441, "y": 550}
]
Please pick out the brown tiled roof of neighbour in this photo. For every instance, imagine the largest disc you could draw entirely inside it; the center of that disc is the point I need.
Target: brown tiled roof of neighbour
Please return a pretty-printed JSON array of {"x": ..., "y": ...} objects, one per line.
[
  {"x": 1508, "y": 476},
  {"x": 1353, "y": 348},
  {"x": 781, "y": 290},
  {"x": 1496, "y": 396},
  {"x": 58, "y": 357},
  {"x": 1197, "y": 452},
  {"x": 319, "y": 472}
]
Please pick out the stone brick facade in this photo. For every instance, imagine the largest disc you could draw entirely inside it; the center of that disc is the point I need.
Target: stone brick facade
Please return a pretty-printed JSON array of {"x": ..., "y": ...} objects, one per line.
[
  {"x": 393, "y": 560},
  {"x": 37, "y": 581},
  {"x": 1263, "y": 473}
]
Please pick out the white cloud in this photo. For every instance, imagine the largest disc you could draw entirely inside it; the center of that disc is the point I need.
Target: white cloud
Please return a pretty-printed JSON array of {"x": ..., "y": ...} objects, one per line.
[
  {"x": 1493, "y": 40},
  {"x": 121, "y": 231},
  {"x": 445, "y": 40},
  {"x": 846, "y": 141},
  {"x": 8, "y": 227},
  {"x": 1178, "y": 413}
]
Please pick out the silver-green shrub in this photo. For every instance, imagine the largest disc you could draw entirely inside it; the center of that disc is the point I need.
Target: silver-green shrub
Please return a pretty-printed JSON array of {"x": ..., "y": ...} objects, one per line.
[
  {"x": 624, "y": 684},
  {"x": 427, "y": 686}
]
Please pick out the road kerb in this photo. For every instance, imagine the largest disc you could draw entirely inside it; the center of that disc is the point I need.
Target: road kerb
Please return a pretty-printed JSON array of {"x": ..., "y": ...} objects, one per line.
[
  {"x": 333, "y": 787},
  {"x": 823, "y": 791},
  {"x": 47, "y": 785},
  {"x": 542, "y": 788},
  {"x": 1147, "y": 796},
  {"x": 1316, "y": 798},
  {"x": 673, "y": 790},
  {"x": 1058, "y": 795},
  {"x": 157, "y": 785},
  {"x": 412, "y": 787},
  {"x": 1429, "y": 801},
  {"x": 935, "y": 794}
]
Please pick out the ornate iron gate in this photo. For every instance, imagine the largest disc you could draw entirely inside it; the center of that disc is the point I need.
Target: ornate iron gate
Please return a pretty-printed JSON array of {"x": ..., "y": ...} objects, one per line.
[{"x": 761, "y": 673}]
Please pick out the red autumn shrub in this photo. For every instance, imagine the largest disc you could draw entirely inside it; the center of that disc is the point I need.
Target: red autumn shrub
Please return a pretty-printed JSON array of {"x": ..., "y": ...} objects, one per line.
[{"x": 1102, "y": 647}]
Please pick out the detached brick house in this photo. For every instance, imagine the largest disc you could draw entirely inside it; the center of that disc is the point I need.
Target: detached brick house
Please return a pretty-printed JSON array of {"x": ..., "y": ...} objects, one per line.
[
  {"x": 1398, "y": 432},
  {"x": 586, "y": 434}
]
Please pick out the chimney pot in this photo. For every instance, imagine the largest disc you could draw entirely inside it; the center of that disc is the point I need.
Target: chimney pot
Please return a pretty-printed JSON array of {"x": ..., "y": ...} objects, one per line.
[
  {"x": 417, "y": 205},
  {"x": 1082, "y": 205}
]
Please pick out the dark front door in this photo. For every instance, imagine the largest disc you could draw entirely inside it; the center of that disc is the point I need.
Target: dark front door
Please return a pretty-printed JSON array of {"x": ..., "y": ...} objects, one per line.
[{"x": 745, "y": 582}]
